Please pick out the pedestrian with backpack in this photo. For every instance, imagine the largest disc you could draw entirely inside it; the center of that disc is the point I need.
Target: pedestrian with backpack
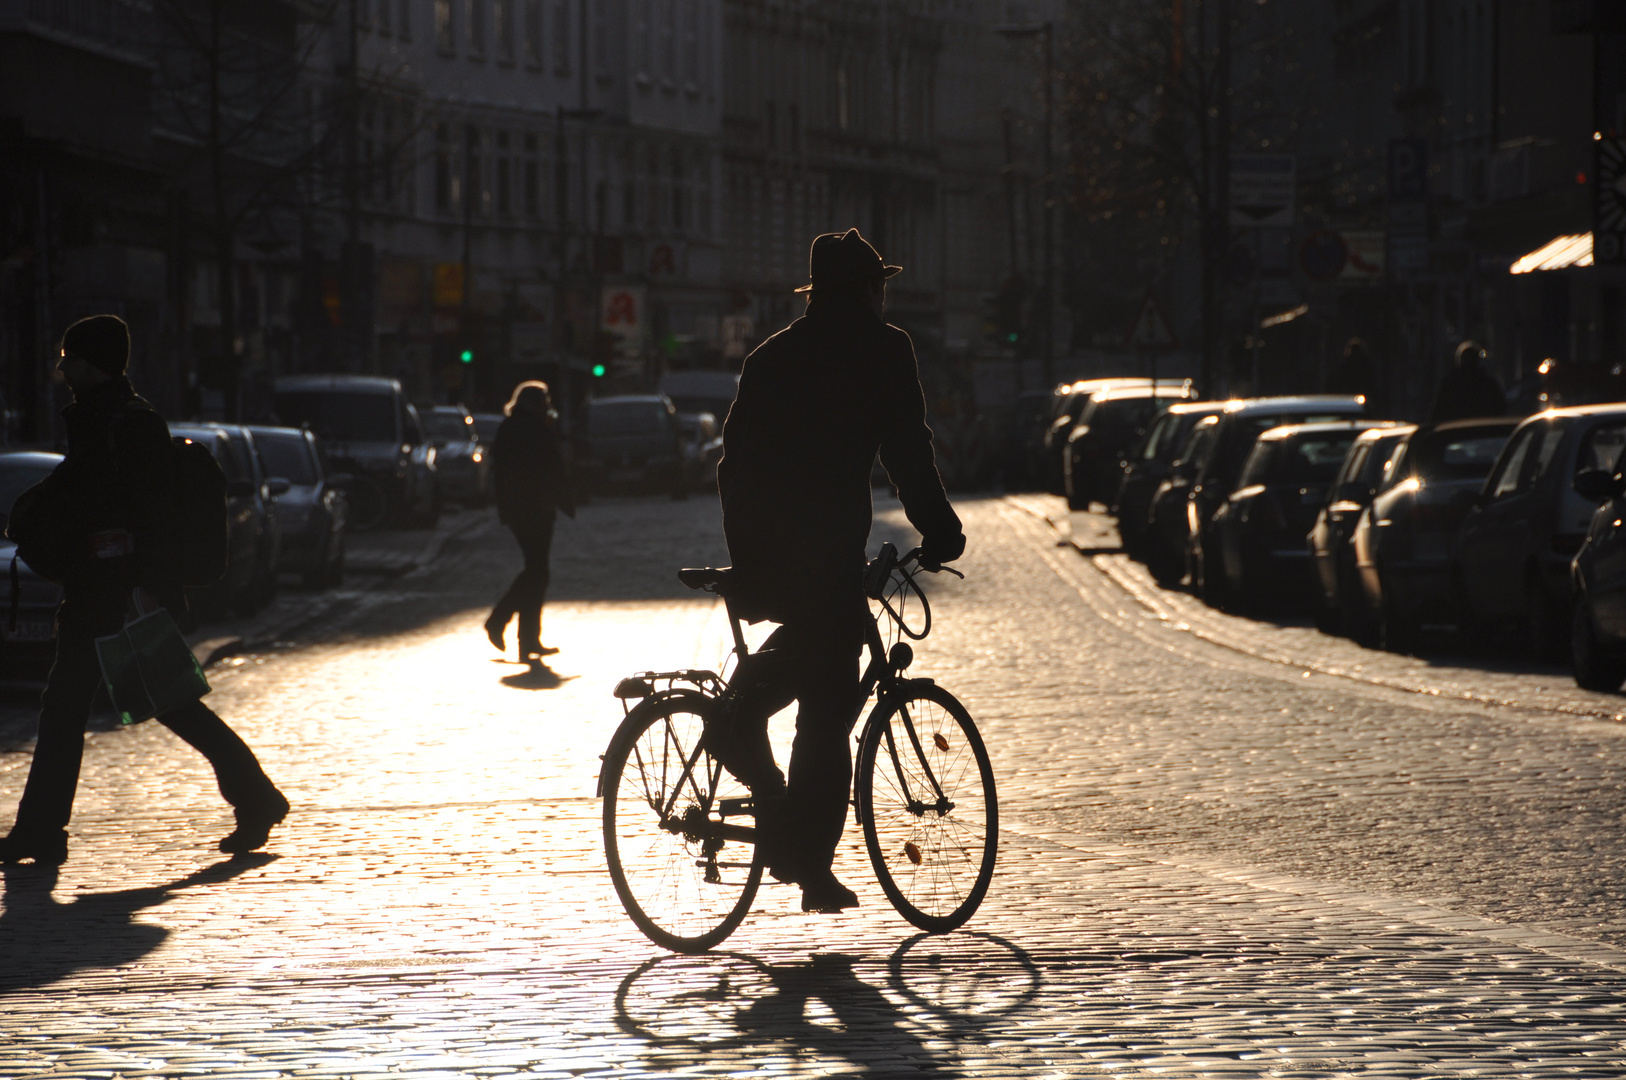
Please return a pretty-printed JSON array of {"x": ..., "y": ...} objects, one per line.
[{"x": 114, "y": 523}]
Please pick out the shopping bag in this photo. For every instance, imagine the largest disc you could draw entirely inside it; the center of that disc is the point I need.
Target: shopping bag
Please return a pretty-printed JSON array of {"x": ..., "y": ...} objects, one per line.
[{"x": 149, "y": 668}]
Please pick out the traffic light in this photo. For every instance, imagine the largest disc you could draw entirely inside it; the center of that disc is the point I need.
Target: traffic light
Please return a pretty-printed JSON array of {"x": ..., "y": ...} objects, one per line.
[
  {"x": 598, "y": 371},
  {"x": 1005, "y": 323},
  {"x": 467, "y": 356}
]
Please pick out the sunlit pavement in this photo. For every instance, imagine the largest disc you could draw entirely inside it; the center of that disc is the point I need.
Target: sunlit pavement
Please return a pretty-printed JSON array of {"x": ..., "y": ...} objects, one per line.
[{"x": 1224, "y": 854}]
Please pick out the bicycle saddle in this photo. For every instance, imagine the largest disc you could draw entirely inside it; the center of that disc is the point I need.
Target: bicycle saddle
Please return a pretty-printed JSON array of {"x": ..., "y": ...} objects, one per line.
[{"x": 705, "y": 577}]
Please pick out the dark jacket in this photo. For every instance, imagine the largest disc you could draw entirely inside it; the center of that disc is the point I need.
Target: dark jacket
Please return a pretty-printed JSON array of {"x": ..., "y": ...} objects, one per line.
[
  {"x": 1468, "y": 392},
  {"x": 816, "y": 402},
  {"x": 529, "y": 471},
  {"x": 118, "y": 475}
]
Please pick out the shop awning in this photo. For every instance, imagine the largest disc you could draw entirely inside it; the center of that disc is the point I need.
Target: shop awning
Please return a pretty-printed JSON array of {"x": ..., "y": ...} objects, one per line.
[{"x": 1557, "y": 254}]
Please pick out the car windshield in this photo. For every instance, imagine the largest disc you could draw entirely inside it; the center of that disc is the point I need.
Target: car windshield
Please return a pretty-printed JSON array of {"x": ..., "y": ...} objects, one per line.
[
  {"x": 625, "y": 418},
  {"x": 1125, "y": 412},
  {"x": 487, "y": 427},
  {"x": 287, "y": 456},
  {"x": 17, "y": 477},
  {"x": 340, "y": 415},
  {"x": 448, "y": 425},
  {"x": 1460, "y": 454}
]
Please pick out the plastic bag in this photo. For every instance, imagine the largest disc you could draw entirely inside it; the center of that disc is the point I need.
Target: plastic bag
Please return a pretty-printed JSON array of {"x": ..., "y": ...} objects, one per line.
[{"x": 149, "y": 668}]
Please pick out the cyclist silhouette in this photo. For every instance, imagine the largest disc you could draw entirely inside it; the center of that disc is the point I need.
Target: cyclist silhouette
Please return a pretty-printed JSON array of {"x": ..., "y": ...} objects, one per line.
[{"x": 817, "y": 402}]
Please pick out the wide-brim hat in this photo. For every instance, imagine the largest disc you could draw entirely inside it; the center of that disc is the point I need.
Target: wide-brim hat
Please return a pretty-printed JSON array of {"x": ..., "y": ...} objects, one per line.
[{"x": 844, "y": 260}]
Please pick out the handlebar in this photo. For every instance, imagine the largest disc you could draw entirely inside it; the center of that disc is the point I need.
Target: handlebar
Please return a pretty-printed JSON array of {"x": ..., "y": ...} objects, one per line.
[{"x": 878, "y": 575}]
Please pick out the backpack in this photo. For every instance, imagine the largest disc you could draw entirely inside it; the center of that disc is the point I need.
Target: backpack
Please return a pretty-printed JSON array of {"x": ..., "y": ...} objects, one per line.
[
  {"x": 198, "y": 552},
  {"x": 201, "y": 535}
]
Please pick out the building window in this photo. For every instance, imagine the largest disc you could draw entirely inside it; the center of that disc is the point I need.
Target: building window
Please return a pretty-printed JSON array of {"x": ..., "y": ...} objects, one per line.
[
  {"x": 640, "y": 39},
  {"x": 793, "y": 124},
  {"x": 680, "y": 196},
  {"x": 445, "y": 37},
  {"x": 533, "y": 33},
  {"x": 403, "y": 24},
  {"x": 502, "y": 19},
  {"x": 364, "y": 14},
  {"x": 448, "y": 184},
  {"x": 561, "y": 37},
  {"x": 474, "y": 23},
  {"x": 531, "y": 180},
  {"x": 691, "y": 43},
  {"x": 770, "y": 126},
  {"x": 474, "y": 171},
  {"x": 703, "y": 199},
  {"x": 385, "y": 18},
  {"x": 505, "y": 191},
  {"x": 843, "y": 116},
  {"x": 601, "y": 42},
  {"x": 668, "y": 42}
]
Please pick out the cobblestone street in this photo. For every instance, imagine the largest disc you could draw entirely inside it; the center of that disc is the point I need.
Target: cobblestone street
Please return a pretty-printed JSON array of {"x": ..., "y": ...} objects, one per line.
[{"x": 1229, "y": 848}]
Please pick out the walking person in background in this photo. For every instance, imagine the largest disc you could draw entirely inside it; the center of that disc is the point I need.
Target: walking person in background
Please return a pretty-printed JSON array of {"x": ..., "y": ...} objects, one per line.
[
  {"x": 115, "y": 509},
  {"x": 1468, "y": 390},
  {"x": 533, "y": 483}
]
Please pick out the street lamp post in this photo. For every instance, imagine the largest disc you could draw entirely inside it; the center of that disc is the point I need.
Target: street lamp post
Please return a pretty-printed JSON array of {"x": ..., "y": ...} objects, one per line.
[{"x": 1046, "y": 31}]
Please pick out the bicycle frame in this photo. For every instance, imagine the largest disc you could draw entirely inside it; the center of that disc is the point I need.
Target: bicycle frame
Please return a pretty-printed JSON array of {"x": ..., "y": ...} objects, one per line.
[{"x": 882, "y": 679}]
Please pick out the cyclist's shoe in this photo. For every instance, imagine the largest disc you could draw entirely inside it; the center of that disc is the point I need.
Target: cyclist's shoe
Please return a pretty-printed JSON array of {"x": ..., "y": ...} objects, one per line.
[
  {"x": 821, "y": 892},
  {"x": 746, "y": 755},
  {"x": 48, "y": 848}
]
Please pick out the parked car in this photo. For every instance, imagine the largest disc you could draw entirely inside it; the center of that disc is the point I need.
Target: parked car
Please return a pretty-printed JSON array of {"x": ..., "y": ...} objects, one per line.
[
  {"x": 633, "y": 443},
  {"x": 1403, "y": 540},
  {"x": 462, "y": 465},
  {"x": 1511, "y": 565},
  {"x": 1148, "y": 465},
  {"x": 485, "y": 426},
  {"x": 1112, "y": 422},
  {"x": 312, "y": 513},
  {"x": 1261, "y": 526},
  {"x": 251, "y": 573},
  {"x": 701, "y": 391},
  {"x": 1218, "y": 448},
  {"x": 27, "y": 646},
  {"x": 1067, "y": 403},
  {"x": 1340, "y": 606},
  {"x": 702, "y": 448},
  {"x": 1598, "y": 580},
  {"x": 373, "y": 433}
]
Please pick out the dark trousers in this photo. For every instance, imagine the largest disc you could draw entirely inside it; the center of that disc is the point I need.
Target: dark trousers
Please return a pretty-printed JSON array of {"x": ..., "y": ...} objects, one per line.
[
  {"x": 812, "y": 659},
  {"x": 526, "y": 595},
  {"x": 53, "y": 776}
]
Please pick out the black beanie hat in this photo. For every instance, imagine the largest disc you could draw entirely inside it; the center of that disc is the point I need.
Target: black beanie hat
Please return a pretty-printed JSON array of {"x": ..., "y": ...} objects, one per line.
[{"x": 103, "y": 340}]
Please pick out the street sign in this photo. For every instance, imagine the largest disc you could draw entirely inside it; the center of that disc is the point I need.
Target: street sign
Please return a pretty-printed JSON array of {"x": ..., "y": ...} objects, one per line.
[
  {"x": 1151, "y": 329},
  {"x": 1609, "y": 205},
  {"x": 1365, "y": 251},
  {"x": 621, "y": 315},
  {"x": 1323, "y": 255},
  {"x": 1262, "y": 188}
]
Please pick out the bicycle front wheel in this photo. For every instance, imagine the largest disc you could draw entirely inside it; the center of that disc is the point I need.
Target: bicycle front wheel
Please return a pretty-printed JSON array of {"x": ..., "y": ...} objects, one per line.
[
  {"x": 678, "y": 834},
  {"x": 926, "y": 796}
]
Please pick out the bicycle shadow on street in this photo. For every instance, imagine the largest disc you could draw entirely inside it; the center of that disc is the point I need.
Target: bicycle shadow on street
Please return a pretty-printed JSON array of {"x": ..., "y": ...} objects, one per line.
[
  {"x": 536, "y": 676},
  {"x": 44, "y": 940},
  {"x": 935, "y": 1003}
]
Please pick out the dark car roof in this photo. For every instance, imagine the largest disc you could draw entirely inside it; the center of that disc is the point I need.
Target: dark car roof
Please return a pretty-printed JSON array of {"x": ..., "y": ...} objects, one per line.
[
  {"x": 1289, "y": 431},
  {"x": 1128, "y": 393},
  {"x": 38, "y": 458}
]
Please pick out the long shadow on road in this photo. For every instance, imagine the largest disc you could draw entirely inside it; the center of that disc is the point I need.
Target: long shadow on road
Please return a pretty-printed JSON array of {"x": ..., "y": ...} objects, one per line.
[{"x": 44, "y": 940}]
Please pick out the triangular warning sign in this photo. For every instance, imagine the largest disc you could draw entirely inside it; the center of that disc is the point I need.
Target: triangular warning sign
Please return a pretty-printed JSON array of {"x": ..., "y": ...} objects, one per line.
[{"x": 1151, "y": 329}]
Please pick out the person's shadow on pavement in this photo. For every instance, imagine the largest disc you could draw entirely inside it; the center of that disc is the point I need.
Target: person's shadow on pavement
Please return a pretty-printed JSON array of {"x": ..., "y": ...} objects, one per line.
[
  {"x": 43, "y": 940},
  {"x": 536, "y": 676}
]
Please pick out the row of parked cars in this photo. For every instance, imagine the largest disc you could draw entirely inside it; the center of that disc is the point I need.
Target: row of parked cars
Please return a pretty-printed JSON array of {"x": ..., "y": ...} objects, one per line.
[{"x": 1501, "y": 526}]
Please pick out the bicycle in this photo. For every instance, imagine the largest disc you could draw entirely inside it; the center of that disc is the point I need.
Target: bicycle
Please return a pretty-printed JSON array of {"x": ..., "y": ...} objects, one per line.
[{"x": 681, "y": 853}]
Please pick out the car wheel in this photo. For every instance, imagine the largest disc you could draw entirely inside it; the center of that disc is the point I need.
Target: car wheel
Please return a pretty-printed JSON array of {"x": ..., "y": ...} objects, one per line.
[
  {"x": 1206, "y": 578},
  {"x": 1594, "y": 667},
  {"x": 1397, "y": 629},
  {"x": 1545, "y": 619}
]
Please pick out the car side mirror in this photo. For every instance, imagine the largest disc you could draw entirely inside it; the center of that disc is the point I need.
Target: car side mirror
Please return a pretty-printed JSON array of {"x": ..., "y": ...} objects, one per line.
[
  {"x": 239, "y": 489},
  {"x": 1597, "y": 485},
  {"x": 277, "y": 486}
]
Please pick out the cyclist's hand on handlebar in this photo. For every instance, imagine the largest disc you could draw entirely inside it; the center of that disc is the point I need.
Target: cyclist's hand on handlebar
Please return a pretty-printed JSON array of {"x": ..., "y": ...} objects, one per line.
[{"x": 937, "y": 550}]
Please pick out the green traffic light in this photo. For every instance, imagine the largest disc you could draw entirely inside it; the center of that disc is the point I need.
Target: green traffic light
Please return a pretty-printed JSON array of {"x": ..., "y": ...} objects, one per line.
[
  {"x": 468, "y": 356},
  {"x": 1011, "y": 338},
  {"x": 598, "y": 371}
]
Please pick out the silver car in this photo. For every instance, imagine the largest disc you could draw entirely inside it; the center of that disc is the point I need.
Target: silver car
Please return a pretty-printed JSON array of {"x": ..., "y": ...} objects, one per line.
[
  {"x": 461, "y": 458},
  {"x": 313, "y": 512}
]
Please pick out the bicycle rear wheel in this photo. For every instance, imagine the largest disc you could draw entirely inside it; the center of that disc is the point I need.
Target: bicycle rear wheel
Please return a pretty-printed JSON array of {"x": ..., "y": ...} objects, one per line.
[
  {"x": 926, "y": 797},
  {"x": 685, "y": 872}
]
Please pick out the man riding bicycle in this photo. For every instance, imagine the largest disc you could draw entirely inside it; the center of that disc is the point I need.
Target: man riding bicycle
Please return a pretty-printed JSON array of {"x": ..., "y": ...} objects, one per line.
[{"x": 816, "y": 403}]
